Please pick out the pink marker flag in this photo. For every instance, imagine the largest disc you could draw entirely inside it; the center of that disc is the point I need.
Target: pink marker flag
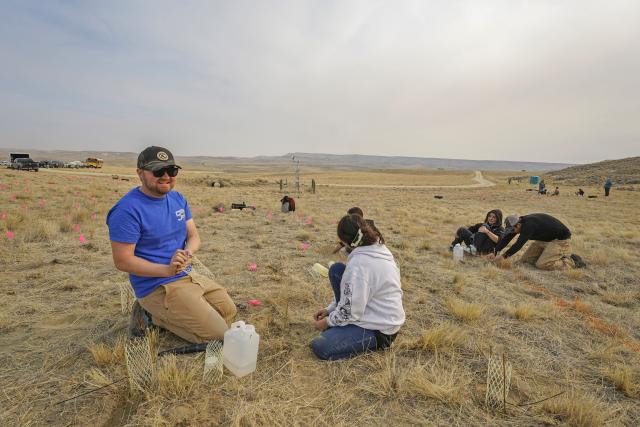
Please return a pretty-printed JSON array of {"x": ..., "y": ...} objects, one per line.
[
  {"x": 221, "y": 209},
  {"x": 253, "y": 267},
  {"x": 94, "y": 215},
  {"x": 269, "y": 216},
  {"x": 304, "y": 246},
  {"x": 42, "y": 203},
  {"x": 81, "y": 239},
  {"x": 309, "y": 221},
  {"x": 255, "y": 302},
  {"x": 9, "y": 234},
  {"x": 3, "y": 215},
  {"x": 76, "y": 227}
]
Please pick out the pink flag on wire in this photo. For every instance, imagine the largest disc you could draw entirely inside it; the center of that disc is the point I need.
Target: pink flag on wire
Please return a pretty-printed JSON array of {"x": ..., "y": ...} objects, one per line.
[
  {"x": 76, "y": 227},
  {"x": 9, "y": 234},
  {"x": 269, "y": 216},
  {"x": 255, "y": 302},
  {"x": 309, "y": 221},
  {"x": 81, "y": 239},
  {"x": 304, "y": 246},
  {"x": 253, "y": 267}
]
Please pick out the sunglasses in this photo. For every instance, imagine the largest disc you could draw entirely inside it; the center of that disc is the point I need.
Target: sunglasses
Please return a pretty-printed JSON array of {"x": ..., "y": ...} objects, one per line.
[{"x": 169, "y": 170}]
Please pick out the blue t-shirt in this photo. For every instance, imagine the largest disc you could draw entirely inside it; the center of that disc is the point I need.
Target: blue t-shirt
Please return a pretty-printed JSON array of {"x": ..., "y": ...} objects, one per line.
[{"x": 157, "y": 226}]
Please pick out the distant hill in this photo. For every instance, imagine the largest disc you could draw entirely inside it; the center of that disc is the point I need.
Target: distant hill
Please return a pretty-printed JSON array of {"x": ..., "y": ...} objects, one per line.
[
  {"x": 337, "y": 161},
  {"x": 622, "y": 172}
]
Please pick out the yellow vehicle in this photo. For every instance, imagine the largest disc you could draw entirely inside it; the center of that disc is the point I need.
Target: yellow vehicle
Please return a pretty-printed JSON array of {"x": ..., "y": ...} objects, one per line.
[{"x": 93, "y": 162}]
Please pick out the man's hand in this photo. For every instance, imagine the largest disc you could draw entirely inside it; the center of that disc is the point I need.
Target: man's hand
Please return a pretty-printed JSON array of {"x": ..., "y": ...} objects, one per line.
[
  {"x": 320, "y": 314},
  {"x": 180, "y": 259},
  {"x": 491, "y": 256},
  {"x": 322, "y": 324}
]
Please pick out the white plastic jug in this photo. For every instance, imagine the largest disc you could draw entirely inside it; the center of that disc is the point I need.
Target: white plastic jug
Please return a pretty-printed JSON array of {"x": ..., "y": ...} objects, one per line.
[
  {"x": 240, "y": 350},
  {"x": 458, "y": 252}
]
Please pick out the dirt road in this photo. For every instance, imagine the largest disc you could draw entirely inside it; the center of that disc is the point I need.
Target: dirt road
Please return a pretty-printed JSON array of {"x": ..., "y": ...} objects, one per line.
[{"x": 480, "y": 180}]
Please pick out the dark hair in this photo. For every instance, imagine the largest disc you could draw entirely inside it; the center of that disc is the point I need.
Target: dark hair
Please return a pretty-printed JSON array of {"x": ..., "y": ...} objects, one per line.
[
  {"x": 497, "y": 213},
  {"x": 355, "y": 210},
  {"x": 348, "y": 231}
]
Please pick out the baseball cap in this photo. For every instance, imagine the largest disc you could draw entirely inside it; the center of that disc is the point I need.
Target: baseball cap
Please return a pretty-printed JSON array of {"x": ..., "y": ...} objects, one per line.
[
  {"x": 510, "y": 223},
  {"x": 154, "y": 158}
]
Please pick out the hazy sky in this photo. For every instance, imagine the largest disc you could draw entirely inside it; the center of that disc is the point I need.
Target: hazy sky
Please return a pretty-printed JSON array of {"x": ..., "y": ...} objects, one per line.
[{"x": 512, "y": 80}]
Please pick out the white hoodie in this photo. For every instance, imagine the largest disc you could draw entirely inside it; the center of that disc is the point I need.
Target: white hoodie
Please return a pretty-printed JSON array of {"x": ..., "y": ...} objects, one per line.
[{"x": 370, "y": 291}]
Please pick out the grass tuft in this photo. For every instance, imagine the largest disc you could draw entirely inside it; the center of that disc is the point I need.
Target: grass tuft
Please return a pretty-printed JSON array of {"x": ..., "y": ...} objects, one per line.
[
  {"x": 445, "y": 336},
  {"x": 175, "y": 381},
  {"x": 577, "y": 411},
  {"x": 464, "y": 311}
]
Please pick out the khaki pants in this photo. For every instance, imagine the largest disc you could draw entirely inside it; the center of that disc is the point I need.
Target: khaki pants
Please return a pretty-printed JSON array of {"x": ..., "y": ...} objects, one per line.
[
  {"x": 195, "y": 308},
  {"x": 553, "y": 255}
]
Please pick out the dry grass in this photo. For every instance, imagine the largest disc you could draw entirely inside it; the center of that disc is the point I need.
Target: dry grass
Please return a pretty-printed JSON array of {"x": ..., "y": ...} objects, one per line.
[
  {"x": 624, "y": 379},
  {"x": 436, "y": 381},
  {"x": 619, "y": 299},
  {"x": 577, "y": 411},
  {"x": 445, "y": 336},
  {"x": 63, "y": 296},
  {"x": 465, "y": 311},
  {"x": 177, "y": 380},
  {"x": 524, "y": 312}
]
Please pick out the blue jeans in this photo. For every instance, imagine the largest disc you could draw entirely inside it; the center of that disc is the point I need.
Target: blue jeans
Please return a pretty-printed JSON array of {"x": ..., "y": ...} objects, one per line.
[{"x": 344, "y": 341}]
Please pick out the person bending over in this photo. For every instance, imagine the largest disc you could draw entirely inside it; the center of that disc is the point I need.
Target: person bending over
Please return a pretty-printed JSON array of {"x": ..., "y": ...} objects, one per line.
[
  {"x": 153, "y": 238},
  {"x": 366, "y": 312},
  {"x": 550, "y": 248},
  {"x": 481, "y": 238}
]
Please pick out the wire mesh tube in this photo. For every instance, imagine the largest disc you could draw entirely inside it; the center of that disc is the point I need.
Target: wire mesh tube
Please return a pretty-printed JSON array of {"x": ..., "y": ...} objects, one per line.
[
  {"x": 126, "y": 297},
  {"x": 140, "y": 362},
  {"x": 213, "y": 366},
  {"x": 498, "y": 382}
]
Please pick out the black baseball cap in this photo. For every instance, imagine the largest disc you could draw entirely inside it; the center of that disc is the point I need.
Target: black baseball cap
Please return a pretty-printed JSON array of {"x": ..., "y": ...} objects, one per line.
[{"x": 154, "y": 158}]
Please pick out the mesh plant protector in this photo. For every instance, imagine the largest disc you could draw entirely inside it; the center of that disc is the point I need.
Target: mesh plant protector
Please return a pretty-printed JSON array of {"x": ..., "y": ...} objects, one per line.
[
  {"x": 213, "y": 366},
  {"x": 140, "y": 362},
  {"x": 498, "y": 381},
  {"x": 127, "y": 297},
  {"x": 200, "y": 268}
]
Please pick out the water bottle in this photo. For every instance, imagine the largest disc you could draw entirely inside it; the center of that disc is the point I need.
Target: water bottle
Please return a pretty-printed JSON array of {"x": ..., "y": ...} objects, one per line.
[
  {"x": 240, "y": 350},
  {"x": 458, "y": 253}
]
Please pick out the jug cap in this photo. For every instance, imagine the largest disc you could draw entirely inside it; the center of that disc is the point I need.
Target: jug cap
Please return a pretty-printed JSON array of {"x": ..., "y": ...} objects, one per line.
[{"x": 238, "y": 324}]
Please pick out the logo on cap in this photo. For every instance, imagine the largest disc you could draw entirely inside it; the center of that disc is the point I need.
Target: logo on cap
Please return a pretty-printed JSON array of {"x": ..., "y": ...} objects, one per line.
[{"x": 162, "y": 156}]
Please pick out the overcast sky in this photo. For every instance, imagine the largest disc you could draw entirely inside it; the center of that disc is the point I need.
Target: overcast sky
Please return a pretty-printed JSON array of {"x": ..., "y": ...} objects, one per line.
[{"x": 509, "y": 80}]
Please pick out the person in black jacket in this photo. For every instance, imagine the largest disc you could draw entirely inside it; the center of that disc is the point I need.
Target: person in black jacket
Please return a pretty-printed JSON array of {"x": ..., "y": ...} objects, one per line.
[
  {"x": 549, "y": 249},
  {"x": 481, "y": 238}
]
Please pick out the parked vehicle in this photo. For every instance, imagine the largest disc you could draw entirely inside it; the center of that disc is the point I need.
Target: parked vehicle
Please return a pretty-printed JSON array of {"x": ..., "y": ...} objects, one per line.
[
  {"x": 51, "y": 164},
  {"x": 93, "y": 162},
  {"x": 22, "y": 163},
  {"x": 74, "y": 165}
]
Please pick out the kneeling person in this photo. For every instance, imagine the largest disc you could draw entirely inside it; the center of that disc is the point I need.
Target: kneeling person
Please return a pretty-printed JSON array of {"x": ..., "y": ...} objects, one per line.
[
  {"x": 153, "y": 238},
  {"x": 550, "y": 249},
  {"x": 366, "y": 313}
]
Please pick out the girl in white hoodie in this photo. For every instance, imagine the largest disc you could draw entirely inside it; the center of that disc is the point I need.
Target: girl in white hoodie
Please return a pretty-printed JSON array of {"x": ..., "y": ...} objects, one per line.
[{"x": 366, "y": 313}]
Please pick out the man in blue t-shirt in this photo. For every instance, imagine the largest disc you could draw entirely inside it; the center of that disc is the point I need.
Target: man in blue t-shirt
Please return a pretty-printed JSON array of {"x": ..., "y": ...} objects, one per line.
[{"x": 153, "y": 238}]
